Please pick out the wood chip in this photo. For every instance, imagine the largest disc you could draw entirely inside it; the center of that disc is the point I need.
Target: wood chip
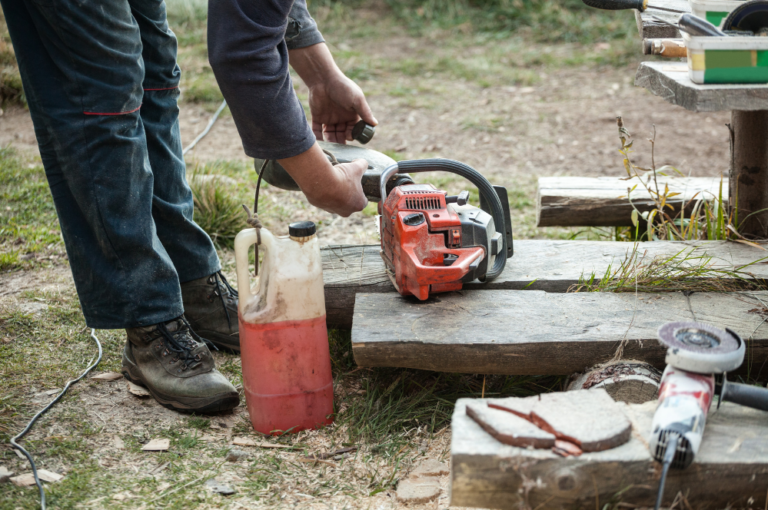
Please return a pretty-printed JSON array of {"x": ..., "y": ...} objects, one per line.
[
  {"x": 5, "y": 475},
  {"x": 327, "y": 462},
  {"x": 108, "y": 376},
  {"x": 28, "y": 479},
  {"x": 24, "y": 480},
  {"x": 508, "y": 428},
  {"x": 136, "y": 390},
  {"x": 566, "y": 449},
  {"x": 157, "y": 445},
  {"x": 247, "y": 441},
  {"x": 48, "y": 476}
]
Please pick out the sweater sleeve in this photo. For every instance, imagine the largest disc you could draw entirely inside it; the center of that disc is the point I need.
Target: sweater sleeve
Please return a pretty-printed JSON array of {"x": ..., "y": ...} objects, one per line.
[
  {"x": 249, "y": 57},
  {"x": 302, "y": 29}
]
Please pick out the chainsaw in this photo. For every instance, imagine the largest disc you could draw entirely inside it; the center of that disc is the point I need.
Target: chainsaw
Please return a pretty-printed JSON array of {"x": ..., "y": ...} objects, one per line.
[{"x": 431, "y": 242}]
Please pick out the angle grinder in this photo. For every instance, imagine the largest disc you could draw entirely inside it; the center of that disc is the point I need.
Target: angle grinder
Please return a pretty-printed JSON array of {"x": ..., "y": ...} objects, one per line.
[{"x": 696, "y": 354}]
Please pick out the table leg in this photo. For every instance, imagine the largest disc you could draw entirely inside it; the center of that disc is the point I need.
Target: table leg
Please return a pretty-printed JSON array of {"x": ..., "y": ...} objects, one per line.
[{"x": 749, "y": 172}]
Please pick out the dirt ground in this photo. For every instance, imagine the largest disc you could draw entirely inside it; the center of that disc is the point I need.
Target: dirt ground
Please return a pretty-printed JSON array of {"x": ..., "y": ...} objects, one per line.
[{"x": 562, "y": 125}]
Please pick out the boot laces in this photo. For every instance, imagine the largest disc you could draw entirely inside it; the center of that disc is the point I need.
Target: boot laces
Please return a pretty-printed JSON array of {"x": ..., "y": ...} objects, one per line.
[
  {"x": 181, "y": 343},
  {"x": 223, "y": 287}
]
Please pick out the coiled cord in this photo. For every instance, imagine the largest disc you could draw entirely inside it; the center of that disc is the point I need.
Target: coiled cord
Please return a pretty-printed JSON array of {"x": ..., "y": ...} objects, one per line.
[{"x": 42, "y": 412}]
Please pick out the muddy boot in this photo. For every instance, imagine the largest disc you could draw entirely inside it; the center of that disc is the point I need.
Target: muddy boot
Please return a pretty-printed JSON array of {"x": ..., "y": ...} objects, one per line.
[
  {"x": 177, "y": 368},
  {"x": 210, "y": 306}
]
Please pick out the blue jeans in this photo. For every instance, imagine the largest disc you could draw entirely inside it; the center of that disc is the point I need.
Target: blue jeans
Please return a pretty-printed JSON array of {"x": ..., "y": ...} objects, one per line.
[{"x": 101, "y": 81}]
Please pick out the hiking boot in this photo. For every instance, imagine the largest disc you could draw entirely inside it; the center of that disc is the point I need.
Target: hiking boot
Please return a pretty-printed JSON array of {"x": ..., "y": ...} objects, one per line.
[
  {"x": 210, "y": 306},
  {"x": 177, "y": 368}
]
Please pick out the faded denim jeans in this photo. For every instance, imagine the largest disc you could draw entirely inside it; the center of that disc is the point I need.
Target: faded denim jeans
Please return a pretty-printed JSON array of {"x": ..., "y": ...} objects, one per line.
[{"x": 101, "y": 81}]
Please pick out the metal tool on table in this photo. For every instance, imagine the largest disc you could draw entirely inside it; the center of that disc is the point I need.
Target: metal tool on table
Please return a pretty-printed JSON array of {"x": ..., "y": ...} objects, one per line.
[
  {"x": 430, "y": 242},
  {"x": 693, "y": 25},
  {"x": 621, "y": 5},
  {"x": 698, "y": 357}
]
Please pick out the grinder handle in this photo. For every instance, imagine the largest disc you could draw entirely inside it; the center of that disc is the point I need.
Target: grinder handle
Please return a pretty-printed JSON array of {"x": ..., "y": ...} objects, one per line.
[{"x": 745, "y": 395}]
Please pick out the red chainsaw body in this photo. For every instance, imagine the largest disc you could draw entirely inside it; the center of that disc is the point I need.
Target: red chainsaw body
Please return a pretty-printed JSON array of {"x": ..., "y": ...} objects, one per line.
[{"x": 421, "y": 241}]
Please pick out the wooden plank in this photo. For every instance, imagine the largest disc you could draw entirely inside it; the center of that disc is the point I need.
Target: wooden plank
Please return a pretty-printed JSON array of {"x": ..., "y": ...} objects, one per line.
[
  {"x": 670, "y": 81},
  {"x": 603, "y": 201},
  {"x": 730, "y": 470},
  {"x": 535, "y": 332},
  {"x": 537, "y": 265}
]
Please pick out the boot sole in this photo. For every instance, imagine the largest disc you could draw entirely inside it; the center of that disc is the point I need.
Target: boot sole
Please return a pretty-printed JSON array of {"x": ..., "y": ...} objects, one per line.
[{"x": 206, "y": 405}]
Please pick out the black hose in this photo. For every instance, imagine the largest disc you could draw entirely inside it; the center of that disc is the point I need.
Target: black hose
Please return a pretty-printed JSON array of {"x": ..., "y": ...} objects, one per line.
[
  {"x": 483, "y": 186},
  {"x": 42, "y": 412}
]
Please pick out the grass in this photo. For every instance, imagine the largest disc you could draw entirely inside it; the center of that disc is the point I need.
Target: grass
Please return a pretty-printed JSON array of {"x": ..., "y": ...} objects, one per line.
[
  {"x": 684, "y": 271},
  {"x": 218, "y": 209}
]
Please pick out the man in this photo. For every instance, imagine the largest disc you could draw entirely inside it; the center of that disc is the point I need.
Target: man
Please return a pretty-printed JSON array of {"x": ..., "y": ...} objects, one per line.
[{"x": 101, "y": 81}]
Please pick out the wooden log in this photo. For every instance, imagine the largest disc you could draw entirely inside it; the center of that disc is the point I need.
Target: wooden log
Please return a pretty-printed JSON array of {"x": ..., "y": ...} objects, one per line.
[
  {"x": 537, "y": 265},
  {"x": 670, "y": 81},
  {"x": 749, "y": 172},
  {"x": 605, "y": 201},
  {"x": 630, "y": 381},
  {"x": 731, "y": 469},
  {"x": 534, "y": 332}
]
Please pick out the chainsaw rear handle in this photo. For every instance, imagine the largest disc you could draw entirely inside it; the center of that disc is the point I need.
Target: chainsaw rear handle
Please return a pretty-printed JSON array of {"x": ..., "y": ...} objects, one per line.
[
  {"x": 487, "y": 196},
  {"x": 617, "y": 5}
]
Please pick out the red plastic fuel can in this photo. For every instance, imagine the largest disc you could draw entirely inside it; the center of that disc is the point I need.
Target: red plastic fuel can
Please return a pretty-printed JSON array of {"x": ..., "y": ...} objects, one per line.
[{"x": 283, "y": 337}]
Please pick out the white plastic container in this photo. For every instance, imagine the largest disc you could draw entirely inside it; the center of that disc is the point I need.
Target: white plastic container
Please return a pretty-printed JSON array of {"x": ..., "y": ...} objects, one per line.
[
  {"x": 286, "y": 362},
  {"x": 714, "y": 11},
  {"x": 727, "y": 59}
]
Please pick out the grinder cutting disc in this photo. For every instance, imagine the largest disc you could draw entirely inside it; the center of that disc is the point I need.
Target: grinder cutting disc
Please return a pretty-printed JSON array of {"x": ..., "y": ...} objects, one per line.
[
  {"x": 701, "y": 348},
  {"x": 751, "y": 16}
]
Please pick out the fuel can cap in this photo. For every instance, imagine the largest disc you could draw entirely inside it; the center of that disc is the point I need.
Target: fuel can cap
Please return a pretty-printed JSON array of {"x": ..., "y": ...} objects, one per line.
[
  {"x": 302, "y": 229},
  {"x": 701, "y": 348}
]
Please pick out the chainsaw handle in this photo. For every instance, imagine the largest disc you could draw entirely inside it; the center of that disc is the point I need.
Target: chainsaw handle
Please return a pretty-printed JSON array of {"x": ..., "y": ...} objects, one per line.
[{"x": 487, "y": 194}]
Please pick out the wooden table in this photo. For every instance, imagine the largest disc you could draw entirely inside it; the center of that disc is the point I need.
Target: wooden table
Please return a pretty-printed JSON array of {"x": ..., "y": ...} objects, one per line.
[{"x": 749, "y": 122}]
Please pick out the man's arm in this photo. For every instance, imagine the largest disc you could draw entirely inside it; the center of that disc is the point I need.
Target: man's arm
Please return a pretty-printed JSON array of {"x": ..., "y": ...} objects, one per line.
[{"x": 249, "y": 56}]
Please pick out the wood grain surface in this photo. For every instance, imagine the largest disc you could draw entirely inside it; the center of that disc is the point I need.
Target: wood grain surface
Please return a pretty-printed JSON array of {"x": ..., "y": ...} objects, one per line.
[
  {"x": 730, "y": 470},
  {"x": 670, "y": 81},
  {"x": 535, "y": 332},
  {"x": 537, "y": 265},
  {"x": 604, "y": 201}
]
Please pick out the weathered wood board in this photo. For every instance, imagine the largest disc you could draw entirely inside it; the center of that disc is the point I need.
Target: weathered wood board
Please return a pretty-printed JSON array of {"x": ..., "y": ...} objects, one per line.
[
  {"x": 650, "y": 28},
  {"x": 535, "y": 332},
  {"x": 604, "y": 201},
  {"x": 670, "y": 81},
  {"x": 537, "y": 265},
  {"x": 730, "y": 469}
]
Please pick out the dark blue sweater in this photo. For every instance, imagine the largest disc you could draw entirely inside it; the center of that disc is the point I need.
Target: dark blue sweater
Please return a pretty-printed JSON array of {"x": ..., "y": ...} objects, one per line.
[{"x": 248, "y": 43}]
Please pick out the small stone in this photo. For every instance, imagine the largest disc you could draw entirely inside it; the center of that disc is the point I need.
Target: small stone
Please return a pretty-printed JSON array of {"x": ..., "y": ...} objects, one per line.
[
  {"x": 431, "y": 467},
  {"x": 418, "y": 490},
  {"x": 234, "y": 455},
  {"x": 137, "y": 390},
  {"x": 108, "y": 376},
  {"x": 219, "y": 487},
  {"x": 5, "y": 475},
  {"x": 118, "y": 443},
  {"x": 157, "y": 445}
]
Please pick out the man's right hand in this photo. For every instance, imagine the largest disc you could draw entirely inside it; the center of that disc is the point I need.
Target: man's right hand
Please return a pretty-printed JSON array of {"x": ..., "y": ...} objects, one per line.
[{"x": 336, "y": 189}]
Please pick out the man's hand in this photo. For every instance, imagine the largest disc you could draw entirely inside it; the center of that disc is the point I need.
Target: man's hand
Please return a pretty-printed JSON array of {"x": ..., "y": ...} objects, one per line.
[
  {"x": 337, "y": 189},
  {"x": 336, "y": 107},
  {"x": 336, "y": 103}
]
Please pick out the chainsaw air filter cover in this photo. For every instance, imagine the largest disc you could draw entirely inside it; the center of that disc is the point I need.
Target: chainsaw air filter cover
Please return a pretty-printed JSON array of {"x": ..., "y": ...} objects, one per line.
[{"x": 701, "y": 348}]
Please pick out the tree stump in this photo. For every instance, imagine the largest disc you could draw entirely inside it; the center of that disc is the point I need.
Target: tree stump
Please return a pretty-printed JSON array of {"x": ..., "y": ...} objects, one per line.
[{"x": 633, "y": 382}]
